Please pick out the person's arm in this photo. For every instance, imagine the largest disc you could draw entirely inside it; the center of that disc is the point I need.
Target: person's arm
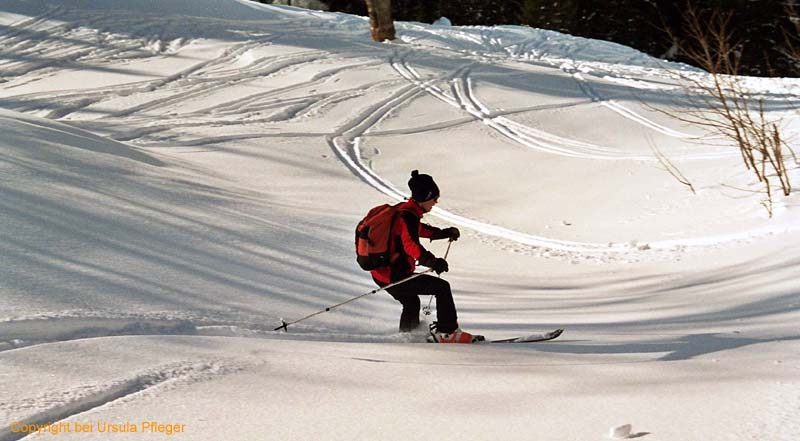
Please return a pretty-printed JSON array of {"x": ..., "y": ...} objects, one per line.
[
  {"x": 409, "y": 235},
  {"x": 434, "y": 233},
  {"x": 410, "y": 232}
]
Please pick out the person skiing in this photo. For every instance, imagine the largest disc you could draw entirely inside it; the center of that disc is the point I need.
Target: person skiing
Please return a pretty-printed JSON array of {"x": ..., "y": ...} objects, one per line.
[{"x": 406, "y": 250}]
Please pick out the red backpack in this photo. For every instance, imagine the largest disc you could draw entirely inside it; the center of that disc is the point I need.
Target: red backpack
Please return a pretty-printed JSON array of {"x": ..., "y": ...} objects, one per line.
[{"x": 374, "y": 237}]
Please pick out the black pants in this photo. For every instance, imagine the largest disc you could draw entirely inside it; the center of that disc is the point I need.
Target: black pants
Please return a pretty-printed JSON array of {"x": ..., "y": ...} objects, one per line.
[{"x": 407, "y": 293}]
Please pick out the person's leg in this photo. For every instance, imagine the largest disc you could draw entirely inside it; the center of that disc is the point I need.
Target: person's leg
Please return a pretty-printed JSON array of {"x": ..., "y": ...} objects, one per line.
[
  {"x": 447, "y": 319},
  {"x": 409, "y": 318},
  {"x": 408, "y": 293},
  {"x": 408, "y": 298}
]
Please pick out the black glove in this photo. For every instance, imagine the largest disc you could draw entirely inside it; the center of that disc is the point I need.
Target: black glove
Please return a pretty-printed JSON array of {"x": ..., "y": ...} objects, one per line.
[
  {"x": 452, "y": 233},
  {"x": 435, "y": 263},
  {"x": 440, "y": 265},
  {"x": 426, "y": 259}
]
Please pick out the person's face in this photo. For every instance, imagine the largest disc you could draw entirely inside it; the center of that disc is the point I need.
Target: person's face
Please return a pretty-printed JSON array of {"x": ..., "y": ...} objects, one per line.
[{"x": 428, "y": 205}]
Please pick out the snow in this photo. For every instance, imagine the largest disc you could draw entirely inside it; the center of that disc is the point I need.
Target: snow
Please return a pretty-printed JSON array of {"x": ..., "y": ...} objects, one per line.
[
  {"x": 620, "y": 432},
  {"x": 178, "y": 176},
  {"x": 442, "y": 21}
]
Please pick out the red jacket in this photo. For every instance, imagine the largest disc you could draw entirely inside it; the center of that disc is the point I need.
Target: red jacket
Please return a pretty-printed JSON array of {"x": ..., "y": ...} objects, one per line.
[{"x": 406, "y": 249}]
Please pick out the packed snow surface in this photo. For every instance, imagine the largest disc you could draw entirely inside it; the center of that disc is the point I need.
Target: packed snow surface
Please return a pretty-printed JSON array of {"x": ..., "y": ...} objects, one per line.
[{"x": 178, "y": 176}]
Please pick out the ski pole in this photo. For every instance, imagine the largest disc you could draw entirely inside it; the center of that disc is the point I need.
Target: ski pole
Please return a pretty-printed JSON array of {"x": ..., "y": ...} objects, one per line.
[
  {"x": 427, "y": 310},
  {"x": 285, "y": 325}
]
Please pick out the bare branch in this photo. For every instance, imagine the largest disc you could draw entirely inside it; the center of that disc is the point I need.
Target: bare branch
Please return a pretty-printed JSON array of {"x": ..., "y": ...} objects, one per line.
[
  {"x": 725, "y": 106},
  {"x": 669, "y": 166}
]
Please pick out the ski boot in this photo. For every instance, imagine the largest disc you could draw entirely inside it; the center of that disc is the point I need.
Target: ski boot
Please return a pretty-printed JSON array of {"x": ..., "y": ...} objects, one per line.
[{"x": 457, "y": 336}]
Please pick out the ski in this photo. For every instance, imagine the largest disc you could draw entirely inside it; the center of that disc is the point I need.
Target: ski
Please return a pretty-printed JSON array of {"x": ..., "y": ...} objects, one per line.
[{"x": 532, "y": 338}]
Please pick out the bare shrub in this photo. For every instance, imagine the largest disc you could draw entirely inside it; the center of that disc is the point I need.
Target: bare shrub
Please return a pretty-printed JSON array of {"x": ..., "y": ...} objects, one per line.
[{"x": 726, "y": 106}]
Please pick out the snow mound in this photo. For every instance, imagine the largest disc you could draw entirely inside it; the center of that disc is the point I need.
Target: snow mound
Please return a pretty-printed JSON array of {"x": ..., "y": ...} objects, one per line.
[{"x": 55, "y": 143}]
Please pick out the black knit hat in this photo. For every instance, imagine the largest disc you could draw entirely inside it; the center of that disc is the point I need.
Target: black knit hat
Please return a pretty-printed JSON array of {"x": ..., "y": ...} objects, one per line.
[{"x": 422, "y": 187}]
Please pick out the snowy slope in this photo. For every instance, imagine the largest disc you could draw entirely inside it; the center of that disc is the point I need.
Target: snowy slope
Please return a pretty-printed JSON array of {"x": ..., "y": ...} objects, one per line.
[{"x": 177, "y": 176}]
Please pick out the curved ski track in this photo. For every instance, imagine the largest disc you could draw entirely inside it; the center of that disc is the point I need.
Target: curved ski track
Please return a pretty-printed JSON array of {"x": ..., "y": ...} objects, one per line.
[
  {"x": 214, "y": 75},
  {"x": 463, "y": 97},
  {"x": 346, "y": 143}
]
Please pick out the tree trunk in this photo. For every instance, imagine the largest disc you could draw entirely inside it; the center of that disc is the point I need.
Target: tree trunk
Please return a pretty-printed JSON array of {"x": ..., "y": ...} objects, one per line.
[{"x": 380, "y": 19}]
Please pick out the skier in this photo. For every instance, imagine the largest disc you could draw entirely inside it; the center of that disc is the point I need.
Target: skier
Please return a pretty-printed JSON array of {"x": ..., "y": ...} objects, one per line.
[{"x": 406, "y": 250}]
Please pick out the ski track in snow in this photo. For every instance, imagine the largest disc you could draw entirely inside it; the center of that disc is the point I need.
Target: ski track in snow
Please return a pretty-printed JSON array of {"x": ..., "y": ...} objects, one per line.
[
  {"x": 587, "y": 90},
  {"x": 31, "y": 332},
  {"x": 521, "y": 52},
  {"x": 463, "y": 97},
  {"x": 193, "y": 82},
  {"x": 346, "y": 144},
  {"x": 67, "y": 44},
  {"x": 160, "y": 111},
  {"x": 215, "y": 75},
  {"x": 77, "y": 400},
  {"x": 200, "y": 80}
]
